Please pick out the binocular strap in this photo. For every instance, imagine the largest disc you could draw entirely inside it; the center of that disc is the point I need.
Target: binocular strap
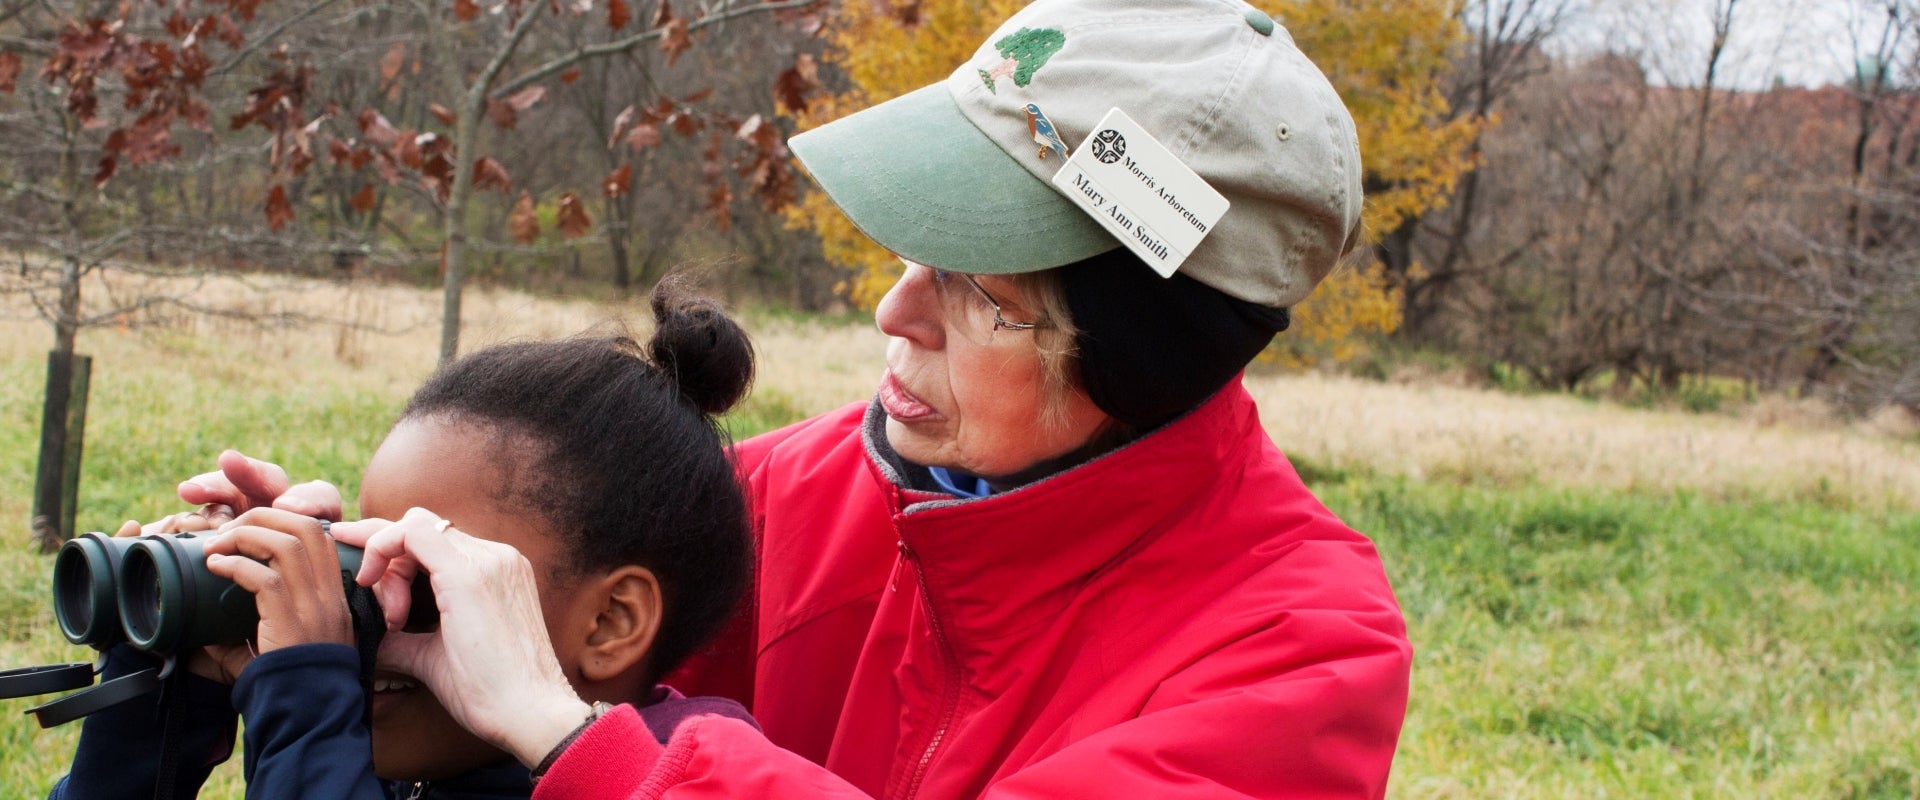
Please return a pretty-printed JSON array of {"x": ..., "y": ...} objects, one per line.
[
  {"x": 46, "y": 679},
  {"x": 87, "y": 701},
  {"x": 369, "y": 627},
  {"x": 173, "y": 700}
]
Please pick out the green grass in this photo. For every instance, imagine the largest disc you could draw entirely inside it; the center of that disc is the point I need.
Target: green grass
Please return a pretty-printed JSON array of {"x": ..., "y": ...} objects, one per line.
[
  {"x": 147, "y": 428},
  {"x": 1604, "y": 644},
  {"x": 1569, "y": 643}
]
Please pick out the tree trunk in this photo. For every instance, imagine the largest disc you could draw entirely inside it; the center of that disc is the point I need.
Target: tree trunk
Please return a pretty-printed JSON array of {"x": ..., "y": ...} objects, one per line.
[
  {"x": 617, "y": 228},
  {"x": 466, "y": 143},
  {"x": 1837, "y": 330},
  {"x": 454, "y": 219},
  {"x": 466, "y": 151}
]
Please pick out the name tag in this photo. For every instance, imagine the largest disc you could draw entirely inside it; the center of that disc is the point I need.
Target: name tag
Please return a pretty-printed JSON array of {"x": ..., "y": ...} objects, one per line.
[{"x": 1145, "y": 196}]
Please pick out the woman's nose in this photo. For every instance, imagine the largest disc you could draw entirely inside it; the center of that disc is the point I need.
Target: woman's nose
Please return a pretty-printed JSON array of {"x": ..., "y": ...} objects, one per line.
[{"x": 911, "y": 309}]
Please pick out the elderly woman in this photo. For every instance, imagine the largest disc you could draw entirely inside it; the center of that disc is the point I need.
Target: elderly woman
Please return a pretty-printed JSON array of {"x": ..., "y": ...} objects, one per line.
[{"x": 1056, "y": 555}]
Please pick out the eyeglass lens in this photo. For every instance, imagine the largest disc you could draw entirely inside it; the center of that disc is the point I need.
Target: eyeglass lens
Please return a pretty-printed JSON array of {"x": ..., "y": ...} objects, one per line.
[{"x": 965, "y": 307}]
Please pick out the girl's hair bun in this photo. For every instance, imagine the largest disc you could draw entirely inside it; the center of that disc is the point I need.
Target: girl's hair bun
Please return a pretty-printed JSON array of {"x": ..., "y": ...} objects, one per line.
[{"x": 702, "y": 349}]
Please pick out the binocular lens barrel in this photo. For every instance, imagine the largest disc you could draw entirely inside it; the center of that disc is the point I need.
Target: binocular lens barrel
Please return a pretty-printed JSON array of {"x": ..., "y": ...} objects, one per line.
[
  {"x": 170, "y": 602},
  {"x": 84, "y": 601},
  {"x": 155, "y": 593}
]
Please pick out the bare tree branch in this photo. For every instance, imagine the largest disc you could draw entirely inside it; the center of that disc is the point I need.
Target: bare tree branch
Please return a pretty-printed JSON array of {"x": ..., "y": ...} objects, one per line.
[{"x": 727, "y": 11}]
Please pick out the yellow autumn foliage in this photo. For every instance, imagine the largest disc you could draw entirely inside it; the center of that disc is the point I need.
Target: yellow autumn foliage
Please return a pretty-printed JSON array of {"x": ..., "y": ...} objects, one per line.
[
  {"x": 882, "y": 58},
  {"x": 1352, "y": 301},
  {"x": 1387, "y": 58}
]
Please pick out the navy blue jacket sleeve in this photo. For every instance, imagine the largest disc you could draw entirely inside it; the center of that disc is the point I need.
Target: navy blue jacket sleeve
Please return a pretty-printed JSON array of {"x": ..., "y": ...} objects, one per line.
[
  {"x": 119, "y": 752},
  {"x": 304, "y": 736}
]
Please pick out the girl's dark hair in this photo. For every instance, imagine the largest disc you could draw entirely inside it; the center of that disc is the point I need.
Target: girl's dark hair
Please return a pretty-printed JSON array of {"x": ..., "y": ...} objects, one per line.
[{"x": 615, "y": 447}]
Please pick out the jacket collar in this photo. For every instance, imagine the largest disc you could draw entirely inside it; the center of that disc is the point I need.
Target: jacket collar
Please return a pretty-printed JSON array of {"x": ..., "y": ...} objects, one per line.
[
  {"x": 507, "y": 780},
  {"x": 994, "y": 564}
]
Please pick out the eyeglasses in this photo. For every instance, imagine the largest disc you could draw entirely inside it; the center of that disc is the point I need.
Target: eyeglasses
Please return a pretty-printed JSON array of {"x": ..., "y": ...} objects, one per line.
[{"x": 949, "y": 299}]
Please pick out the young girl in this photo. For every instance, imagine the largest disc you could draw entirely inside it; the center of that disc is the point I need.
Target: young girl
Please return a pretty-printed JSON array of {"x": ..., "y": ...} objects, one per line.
[{"x": 596, "y": 459}]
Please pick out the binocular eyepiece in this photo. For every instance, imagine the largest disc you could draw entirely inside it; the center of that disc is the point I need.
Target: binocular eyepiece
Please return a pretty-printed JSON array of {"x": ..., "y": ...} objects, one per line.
[{"x": 155, "y": 593}]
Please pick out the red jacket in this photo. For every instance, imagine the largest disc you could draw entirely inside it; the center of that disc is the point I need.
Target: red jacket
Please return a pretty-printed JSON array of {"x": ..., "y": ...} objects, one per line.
[{"x": 1178, "y": 618}]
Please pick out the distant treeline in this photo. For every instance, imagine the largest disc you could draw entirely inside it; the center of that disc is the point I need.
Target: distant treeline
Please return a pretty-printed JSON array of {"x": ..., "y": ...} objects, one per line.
[
  {"x": 1607, "y": 229},
  {"x": 1622, "y": 228}
]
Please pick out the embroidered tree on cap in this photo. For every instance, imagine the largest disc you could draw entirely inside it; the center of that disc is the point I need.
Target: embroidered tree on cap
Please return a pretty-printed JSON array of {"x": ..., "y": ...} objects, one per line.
[{"x": 1025, "y": 51}]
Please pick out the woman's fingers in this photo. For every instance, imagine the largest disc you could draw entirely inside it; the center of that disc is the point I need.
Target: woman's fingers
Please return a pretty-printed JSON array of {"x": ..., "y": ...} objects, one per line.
[
  {"x": 357, "y": 532},
  {"x": 391, "y": 586},
  {"x": 390, "y": 543},
  {"x": 384, "y": 566},
  {"x": 491, "y": 662},
  {"x": 394, "y": 592},
  {"x": 415, "y": 654},
  {"x": 390, "y": 565}
]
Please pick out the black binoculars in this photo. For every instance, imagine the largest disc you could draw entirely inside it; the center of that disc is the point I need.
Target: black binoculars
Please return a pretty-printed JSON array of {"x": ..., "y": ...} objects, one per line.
[{"x": 155, "y": 593}]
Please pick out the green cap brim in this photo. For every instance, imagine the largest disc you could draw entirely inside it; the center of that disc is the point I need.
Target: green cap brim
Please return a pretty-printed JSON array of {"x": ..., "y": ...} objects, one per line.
[{"x": 919, "y": 179}]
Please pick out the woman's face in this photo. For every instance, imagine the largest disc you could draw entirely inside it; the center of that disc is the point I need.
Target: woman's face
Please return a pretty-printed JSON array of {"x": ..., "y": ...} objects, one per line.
[
  {"x": 452, "y": 468},
  {"x": 960, "y": 394}
]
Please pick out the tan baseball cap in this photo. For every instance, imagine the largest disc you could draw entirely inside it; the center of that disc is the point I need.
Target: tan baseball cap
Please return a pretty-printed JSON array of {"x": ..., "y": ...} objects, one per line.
[{"x": 952, "y": 175}]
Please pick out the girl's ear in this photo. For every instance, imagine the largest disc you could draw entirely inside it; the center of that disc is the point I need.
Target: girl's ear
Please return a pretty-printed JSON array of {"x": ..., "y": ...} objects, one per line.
[{"x": 623, "y": 630}]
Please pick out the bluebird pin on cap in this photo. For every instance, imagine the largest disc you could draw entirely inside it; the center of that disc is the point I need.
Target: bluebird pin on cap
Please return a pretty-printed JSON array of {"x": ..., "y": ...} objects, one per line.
[{"x": 956, "y": 175}]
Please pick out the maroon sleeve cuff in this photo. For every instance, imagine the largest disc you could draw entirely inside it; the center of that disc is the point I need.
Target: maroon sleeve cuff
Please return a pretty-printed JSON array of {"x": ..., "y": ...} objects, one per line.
[{"x": 611, "y": 758}]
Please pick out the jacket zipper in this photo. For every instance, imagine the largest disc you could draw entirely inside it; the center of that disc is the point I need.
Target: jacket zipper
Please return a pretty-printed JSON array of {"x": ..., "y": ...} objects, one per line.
[
  {"x": 950, "y": 691},
  {"x": 419, "y": 790}
]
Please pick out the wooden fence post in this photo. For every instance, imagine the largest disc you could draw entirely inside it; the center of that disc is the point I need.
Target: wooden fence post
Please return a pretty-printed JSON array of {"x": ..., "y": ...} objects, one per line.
[
  {"x": 62, "y": 427},
  {"x": 76, "y": 439}
]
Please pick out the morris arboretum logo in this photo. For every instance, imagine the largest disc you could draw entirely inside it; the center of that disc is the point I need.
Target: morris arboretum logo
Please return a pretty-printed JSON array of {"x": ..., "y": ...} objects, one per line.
[{"x": 1109, "y": 146}]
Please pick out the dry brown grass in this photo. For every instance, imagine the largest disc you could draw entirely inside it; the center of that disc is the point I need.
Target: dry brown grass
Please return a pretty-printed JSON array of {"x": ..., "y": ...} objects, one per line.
[
  {"x": 287, "y": 331},
  {"x": 818, "y": 366},
  {"x": 1453, "y": 433},
  {"x": 386, "y": 337}
]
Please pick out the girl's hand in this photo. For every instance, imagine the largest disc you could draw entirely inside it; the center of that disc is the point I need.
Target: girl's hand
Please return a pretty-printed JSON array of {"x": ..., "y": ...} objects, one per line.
[
  {"x": 289, "y": 565},
  {"x": 204, "y": 518},
  {"x": 242, "y": 484}
]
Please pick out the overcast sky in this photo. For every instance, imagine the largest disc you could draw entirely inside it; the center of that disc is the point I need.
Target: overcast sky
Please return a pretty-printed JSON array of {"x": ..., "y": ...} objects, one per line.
[{"x": 1804, "y": 42}]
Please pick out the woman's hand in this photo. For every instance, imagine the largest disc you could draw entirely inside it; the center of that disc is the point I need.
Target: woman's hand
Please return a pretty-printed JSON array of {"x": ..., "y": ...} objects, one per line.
[
  {"x": 289, "y": 565},
  {"x": 491, "y": 663}
]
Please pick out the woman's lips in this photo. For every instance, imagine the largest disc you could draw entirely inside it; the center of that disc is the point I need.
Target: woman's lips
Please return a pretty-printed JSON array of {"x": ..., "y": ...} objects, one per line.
[{"x": 900, "y": 404}]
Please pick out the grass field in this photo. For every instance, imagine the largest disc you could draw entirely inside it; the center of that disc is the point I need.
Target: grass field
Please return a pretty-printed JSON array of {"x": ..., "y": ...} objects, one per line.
[{"x": 1605, "y": 602}]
